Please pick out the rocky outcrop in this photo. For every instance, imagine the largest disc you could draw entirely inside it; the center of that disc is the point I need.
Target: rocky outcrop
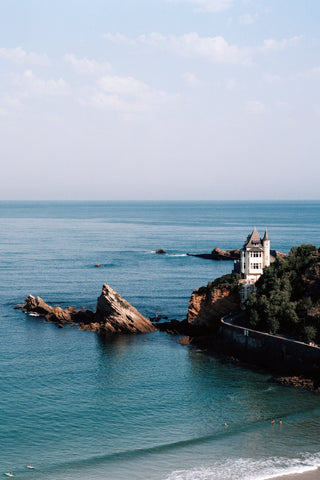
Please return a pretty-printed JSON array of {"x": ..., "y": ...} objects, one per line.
[
  {"x": 208, "y": 304},
  {"x": 311, "y": 384},
  {"x": 56, "y": 314},
  {"x": 160, "y": 251},
  {"x": 206, "y": 307},
  {"x": 234, "y": 254},
  {"x": 113, "y": 314},
  {"x": 218, "y": 254},
  {"x": 116, "y": 315}
]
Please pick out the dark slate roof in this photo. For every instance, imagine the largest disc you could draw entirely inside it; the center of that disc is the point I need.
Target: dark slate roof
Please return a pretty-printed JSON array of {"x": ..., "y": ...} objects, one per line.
[
  {"x": 254, "y": 239},
  {"x": 266, "y": 236}
]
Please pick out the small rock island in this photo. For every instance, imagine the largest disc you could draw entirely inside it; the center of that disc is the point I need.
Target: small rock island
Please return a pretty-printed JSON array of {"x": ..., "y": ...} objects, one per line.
[{"x": 113, "y": 314}]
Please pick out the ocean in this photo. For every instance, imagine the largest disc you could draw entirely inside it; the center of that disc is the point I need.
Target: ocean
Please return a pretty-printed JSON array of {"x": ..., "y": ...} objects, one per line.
[{"x": 77, "y": 405}]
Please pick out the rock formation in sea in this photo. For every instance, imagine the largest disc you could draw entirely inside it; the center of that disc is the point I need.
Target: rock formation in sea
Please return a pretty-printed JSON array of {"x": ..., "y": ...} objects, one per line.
[
  {"x": 113, "y": 314},
  {"x": 116, "y": 315},
  {"x": 56, "y": 314},
  {"x": 218, "y": 254}
]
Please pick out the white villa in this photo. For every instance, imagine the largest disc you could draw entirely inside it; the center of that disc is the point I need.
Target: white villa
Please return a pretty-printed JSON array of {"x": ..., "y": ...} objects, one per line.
[{"x": 254, "y": 256}]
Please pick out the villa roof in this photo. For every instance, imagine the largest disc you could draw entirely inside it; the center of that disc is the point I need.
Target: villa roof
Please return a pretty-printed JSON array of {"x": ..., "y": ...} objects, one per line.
[
  {"x": 253, "y": 240},
  {"x": 266, "y": 236}
]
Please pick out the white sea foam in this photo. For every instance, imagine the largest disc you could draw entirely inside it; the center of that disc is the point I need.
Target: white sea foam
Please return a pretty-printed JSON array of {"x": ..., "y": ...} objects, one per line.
[{"x": 249, "y": 469}]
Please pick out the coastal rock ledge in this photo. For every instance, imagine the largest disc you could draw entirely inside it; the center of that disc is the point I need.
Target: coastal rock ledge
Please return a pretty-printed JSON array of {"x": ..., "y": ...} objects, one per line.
[{"x": 113, "y": 314}]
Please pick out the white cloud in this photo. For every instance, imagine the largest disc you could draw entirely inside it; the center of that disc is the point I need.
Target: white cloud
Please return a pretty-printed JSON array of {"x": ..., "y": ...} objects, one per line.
[
  {"x": 255, "y": 107},
  {"x": 216, "y": 49},
  {"x": 31, "y": 84},
  {"x": 231, "y": 84},
  {"x": 212, "y": 6},
  {"x": 311, "y": 73},
  {"x": 272, "y": 78},
  {"x": 191, "y": 79},
  {"x": 125, "y": 95},
  {"x": 85, "y": 66},
  {"x": 18, "y": 55},
  {"x": 247, "y": 19},
  {"x": 9, "y": 104},
  {"x": 283, "y": 106},
  {"x": 118, "y": 38},
  {"x": 272, "y": 45},
  {"x": 123, "y": 85}
]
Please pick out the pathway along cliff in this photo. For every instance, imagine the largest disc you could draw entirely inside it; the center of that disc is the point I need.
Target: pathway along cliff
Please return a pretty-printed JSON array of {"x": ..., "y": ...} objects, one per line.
[{"x": 296, "y": 360}]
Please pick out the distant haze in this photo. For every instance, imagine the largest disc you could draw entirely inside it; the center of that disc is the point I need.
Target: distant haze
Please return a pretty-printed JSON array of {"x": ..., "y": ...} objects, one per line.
[{"x": 159, "y": 99}]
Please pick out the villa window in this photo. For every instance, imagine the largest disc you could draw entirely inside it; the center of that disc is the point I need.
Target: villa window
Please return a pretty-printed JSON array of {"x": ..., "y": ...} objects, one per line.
[{"x": 256, "y": 266}]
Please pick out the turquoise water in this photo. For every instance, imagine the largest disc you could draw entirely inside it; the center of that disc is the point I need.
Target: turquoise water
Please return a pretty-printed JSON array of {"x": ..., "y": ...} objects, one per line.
[{"x": 76, "y": 405}]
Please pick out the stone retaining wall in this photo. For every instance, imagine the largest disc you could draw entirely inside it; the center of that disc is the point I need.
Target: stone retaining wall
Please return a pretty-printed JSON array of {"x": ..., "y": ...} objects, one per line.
[{"x": 271, "y": 351}]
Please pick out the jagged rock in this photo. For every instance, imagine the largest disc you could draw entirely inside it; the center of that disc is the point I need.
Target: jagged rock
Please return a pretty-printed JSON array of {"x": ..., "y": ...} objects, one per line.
[
  {"x": 116, "y": 315},
  {"x": 113, "y": 315},
  {"x": 160, "y": 251},
  {"x": 37, "y": 305},
  {"x": 56, "y": 314}
]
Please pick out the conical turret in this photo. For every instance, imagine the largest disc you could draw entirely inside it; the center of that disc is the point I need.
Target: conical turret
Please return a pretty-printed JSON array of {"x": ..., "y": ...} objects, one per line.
[{"x": 266, "y": 248}]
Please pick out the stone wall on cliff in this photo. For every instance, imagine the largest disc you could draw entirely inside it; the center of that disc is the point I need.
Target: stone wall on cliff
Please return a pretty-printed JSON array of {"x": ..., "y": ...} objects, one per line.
[{"x": 273, "y": 352}]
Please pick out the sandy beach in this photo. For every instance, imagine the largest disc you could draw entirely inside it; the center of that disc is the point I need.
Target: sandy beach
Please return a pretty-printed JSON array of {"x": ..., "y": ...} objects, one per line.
[{"x": 312, "y": 475}]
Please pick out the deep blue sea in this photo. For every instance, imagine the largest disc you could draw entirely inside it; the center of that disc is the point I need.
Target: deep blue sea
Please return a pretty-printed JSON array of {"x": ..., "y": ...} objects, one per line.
[{"x": 78, "y": 406}]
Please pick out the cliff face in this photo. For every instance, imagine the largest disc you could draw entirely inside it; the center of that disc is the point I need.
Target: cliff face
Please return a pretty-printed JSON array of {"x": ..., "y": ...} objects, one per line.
[
  {"x": 208, "y": 304},
  {"x": 113, "y": 314}
]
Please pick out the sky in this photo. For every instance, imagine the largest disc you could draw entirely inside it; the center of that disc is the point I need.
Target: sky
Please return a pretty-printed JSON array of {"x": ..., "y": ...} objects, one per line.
[{"x": 159, "y": 99}]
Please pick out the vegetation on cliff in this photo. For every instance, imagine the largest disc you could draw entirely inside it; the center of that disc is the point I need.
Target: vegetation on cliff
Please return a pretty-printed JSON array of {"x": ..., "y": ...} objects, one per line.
[
  {"x": 287, "y": 296},
  {"x": 230, "y": 281}
]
